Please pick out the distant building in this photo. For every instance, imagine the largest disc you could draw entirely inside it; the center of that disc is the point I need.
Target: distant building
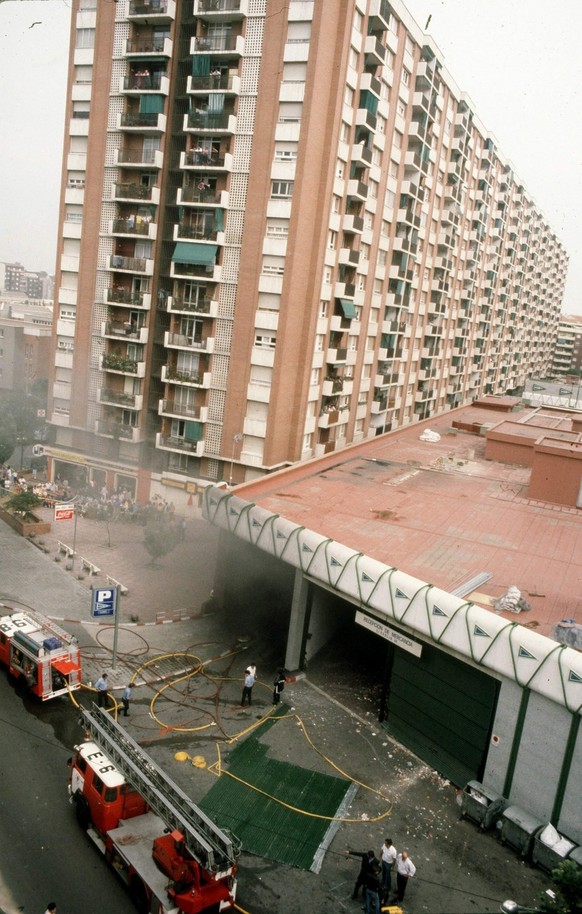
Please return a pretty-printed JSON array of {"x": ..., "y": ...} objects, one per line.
[
  {"x": 568, "y": 350},
  {"x": 25, "y": 345},
  {"x": 283, "y": 230},
  {"x": 36, "y": 285}
]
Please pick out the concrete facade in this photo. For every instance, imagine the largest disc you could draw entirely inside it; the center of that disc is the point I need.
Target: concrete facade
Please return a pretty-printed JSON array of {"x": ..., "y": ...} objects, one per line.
[{"x": 283, "y": 231}]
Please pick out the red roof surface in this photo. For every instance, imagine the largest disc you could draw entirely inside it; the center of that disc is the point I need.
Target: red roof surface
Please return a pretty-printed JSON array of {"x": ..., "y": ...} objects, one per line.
[{"x": 441, "y": 512}]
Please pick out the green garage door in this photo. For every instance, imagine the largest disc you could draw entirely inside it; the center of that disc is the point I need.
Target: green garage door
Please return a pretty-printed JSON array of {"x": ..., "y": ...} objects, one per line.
[{"x": 443, "y": 710}]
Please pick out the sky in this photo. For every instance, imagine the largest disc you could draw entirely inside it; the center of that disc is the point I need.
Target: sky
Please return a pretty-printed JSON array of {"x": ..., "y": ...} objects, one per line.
[{"x": 518, "y": 60}]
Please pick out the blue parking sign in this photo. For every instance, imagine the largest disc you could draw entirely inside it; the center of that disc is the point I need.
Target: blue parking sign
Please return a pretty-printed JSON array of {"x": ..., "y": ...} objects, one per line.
[{"x": 103, "y": 601}]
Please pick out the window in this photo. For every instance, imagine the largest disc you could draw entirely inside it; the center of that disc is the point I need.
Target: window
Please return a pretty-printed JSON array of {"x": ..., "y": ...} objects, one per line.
[
  {"x": 349, "y": 96},
  {"x": 65, "y": 314},
  {"x": 307, "y": 439},
  {"x": 265, "y": 342},
  {"x": 282, "y": 189},
  {"x": 331, "y": 240},
  {"x": 285, "y": 155},
  {"x": 397, "y": 140},
  {"x": 277, "y": 229},
  {"x": 85, "y": 38},
  {"x": 373, "y": 189},
  {"x": 405, "y": 78},
  {"x": 339, "y": 169},
  {"x": 401, "y": 108},
  {"x": 315, "y": 374},
  {"x": 336, "y": 204},
  {"x": 319, "y": 340},
  {"x": 323, "y": 309},
  {"x": 358, "y": 21}
]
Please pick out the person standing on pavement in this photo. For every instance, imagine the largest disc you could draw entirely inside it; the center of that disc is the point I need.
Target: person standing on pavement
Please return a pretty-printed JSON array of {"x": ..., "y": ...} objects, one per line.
[
  {"x": 247, "y": 692},
  {"x": 368, "y": 861},
  {"x": 125, "y": 698},
  {"x": 388, "y": 856},
  {"x": 102, "y": 687},
  {"x": 278, "y": 686},
  {"x": 405, "y": 870},
  {"x": 372, "y": 891}
]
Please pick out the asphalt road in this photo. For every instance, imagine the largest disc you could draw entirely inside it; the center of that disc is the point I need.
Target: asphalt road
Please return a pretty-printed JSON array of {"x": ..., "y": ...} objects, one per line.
[{"x": 45, "y": 856}]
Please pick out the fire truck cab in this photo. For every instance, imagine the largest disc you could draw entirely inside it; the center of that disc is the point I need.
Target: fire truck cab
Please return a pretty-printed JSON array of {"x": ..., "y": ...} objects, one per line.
[
  {"x": 40, "y": 653},
  {"x": 170, "y": 855}
]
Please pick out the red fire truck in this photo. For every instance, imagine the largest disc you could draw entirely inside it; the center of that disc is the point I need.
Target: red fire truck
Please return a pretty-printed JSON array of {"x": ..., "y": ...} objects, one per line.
[
  {"x": 40, "y": 653},
  {"x": 171, "y": 856}
]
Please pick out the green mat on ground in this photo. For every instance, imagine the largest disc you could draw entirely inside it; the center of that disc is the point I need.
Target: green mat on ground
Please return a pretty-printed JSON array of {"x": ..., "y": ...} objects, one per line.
[{"x": 265, "y": 827}]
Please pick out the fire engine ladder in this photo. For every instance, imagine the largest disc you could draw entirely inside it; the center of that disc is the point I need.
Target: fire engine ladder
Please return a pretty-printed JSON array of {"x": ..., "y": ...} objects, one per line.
[{"x": 207, "y": 843}]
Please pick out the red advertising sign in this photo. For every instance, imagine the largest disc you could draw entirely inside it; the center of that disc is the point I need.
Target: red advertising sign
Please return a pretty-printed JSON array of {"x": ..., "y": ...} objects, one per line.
[{"x": 64, "y": 512}]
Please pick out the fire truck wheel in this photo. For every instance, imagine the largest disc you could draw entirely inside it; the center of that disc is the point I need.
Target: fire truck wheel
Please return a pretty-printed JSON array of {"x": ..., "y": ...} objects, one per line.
[
  {"x": 82, "y": 811},
  {"x": 139, "y": 895}
]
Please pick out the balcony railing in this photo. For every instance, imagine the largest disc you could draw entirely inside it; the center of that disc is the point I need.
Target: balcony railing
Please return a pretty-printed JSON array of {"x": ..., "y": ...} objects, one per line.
[
  {"x": 176, "y": 408},
  {"x": 171, "y": 441},
  {"x": 113, "y": 362},
  {"x": 216, "y": 43},
  {"x": 206, "y": 120},
  {"x": 146, "y": 46},
  {"x": 143, "y": 81},
  {"x": 202, "y": 306},
  {"x": 118, "y": 397},
  {"x": 213, "y": 81},
  {"x": 135, "y": 264},
  {"x": 194, "y": 232},
  {"x": 204, "y": 158},
  {"x": 218, "y": 6},
  {"x": 132, "y": 192},
  {"x": 123, "y": 297},
  {"x": 130, "y": 226},
  {"x": 148, "y": 7},
  {"x": 139, "y": 119}
]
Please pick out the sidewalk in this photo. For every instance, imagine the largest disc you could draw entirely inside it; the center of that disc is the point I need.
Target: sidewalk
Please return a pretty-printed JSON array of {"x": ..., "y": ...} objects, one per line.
[{"x": 459, "y": 869}]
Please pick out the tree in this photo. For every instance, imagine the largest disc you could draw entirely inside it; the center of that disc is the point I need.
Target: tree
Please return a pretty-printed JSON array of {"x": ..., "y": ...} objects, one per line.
[
  {"x": 568, "y": 881},
  {"x": 18, "y": 417},
  {"x": 160, "y": 536},
  {"x": 22, "y": 503}
]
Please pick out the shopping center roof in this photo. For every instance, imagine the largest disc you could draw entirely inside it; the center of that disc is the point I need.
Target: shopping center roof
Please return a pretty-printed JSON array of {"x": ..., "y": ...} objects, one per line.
[{"x": 442, "y": 513}]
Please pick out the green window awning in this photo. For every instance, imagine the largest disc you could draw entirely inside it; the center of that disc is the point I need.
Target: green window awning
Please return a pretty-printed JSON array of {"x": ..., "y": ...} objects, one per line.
[
  {"x": 348, "y": 308},
  {"x": 201, "y": 254},
  {"x": 193, "y": 431}
]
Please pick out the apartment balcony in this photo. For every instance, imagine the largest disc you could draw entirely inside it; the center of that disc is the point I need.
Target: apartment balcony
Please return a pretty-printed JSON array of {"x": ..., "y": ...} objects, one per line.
[
  {"x": 216, "y": 10},
  {"x": 408, "y": 217},
  {"x": 328, "y": 418},
  {"x": 332, "y": 387},
  {"x": 118, "y": 364},
  {"x": 425, "y": 74},
  {"x": 141, "y": 85},
  {"x": 349, "y": 257},
  {"x": 417, "y": 132},
  {"x": 109, "y": 397},
  {"x": 173, "y": 409},
  {"x": 353, "y": 225},
  {"x": 111, "y": 428},
  {"x": 186, "y": 270},
  {"x": 357, "y": 190},
  {"x": 198, "y": 232},
  {"x": 180, "y": 445},
  {"x": 155, "y": 11},
  {"x": 412, "y": 189},
  {"x": 223, "y": 83},
  {"x": 219, "y": 45},
  {"x": 120, "y": 330},
  {"x": 379, "y": 13},
  {"x": 188, "y": 378},
  {"x": 130, "y": 265},
  {"x": 139, "y": 158},
  {"x": 142, "y": 122},
  {"x": 188, "y": 343},
  {"x": 204, "y": 307},
  {"x": 134, "y": 227},
  {"x": 204, "y": 197},
  {"x": 370, "y": 83},
  {"x": 344, "y": 290},
  {"x": 135, "y": 193},
  {"x": 337, "y": 356},
  {"x": 150, "y": 46},
  {"x": 221, "y": 122},
  {"x": 375, "y": 51},
  {"x": 124, "y": 298},
  {"x": 361, "y": 155},
  {"x": 366, "y": 120}
]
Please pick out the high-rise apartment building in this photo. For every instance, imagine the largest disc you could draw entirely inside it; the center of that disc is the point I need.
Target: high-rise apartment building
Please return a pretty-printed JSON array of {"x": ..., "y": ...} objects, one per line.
[
  {"x": 283, "y": 230},
  {"x": 568, "y": 351}
]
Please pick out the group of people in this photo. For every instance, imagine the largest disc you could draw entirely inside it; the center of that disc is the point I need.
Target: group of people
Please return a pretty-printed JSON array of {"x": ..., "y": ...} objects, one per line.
[
  {"x": 376, "y": 876},
  {"x": 249, "y": 681},
  {"x": 102, "y": 686}
]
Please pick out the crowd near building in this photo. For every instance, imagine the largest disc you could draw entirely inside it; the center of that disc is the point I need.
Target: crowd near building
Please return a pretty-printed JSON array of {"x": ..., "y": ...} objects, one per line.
[{"x": 296, "y": 234}]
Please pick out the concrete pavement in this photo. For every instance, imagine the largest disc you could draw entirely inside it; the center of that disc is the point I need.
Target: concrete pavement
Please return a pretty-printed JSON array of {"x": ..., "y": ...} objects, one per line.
[{"x": 459, "y": 869}]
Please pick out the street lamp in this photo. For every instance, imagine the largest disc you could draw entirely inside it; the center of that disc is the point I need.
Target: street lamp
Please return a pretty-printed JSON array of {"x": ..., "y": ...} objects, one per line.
[{"x": 235, "y": 439}]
